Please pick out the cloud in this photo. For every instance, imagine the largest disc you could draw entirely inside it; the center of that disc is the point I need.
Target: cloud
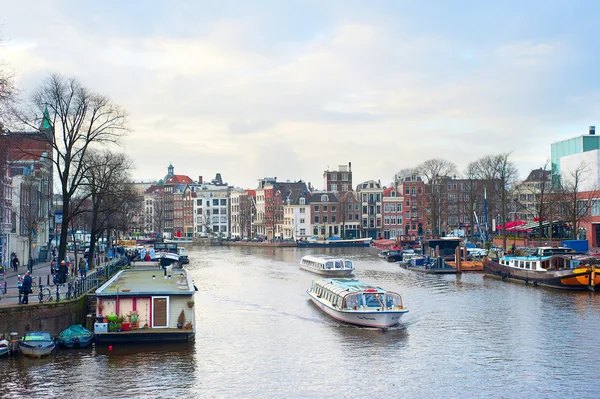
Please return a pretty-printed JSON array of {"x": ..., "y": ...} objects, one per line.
[{"x": 289, "y": 89}]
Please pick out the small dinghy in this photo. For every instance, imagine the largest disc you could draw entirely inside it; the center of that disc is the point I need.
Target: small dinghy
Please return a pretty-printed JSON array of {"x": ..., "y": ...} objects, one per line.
[{"x": 75, "y": 336}]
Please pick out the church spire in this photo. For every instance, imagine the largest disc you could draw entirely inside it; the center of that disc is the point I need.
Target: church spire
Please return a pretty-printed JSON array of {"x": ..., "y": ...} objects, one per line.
[{"x": 46, "y": 124}]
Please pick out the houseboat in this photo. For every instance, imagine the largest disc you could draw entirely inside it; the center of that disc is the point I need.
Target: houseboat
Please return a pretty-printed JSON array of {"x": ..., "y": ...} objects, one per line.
[
  {"x": 146, "y": 303},
  {"x": 549, "y": 267},
  {"x": 327, "y": 265},
  {"x": 357, "y": 303},
  {"x": 334, "y": 242}
]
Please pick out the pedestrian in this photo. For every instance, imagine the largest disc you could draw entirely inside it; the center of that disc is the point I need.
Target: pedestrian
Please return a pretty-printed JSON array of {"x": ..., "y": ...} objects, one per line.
[
  {"x": 63, "y": 270},
  {"x": 15, "y": 263},
  {"x": 27, "y": 280},
  {"x": 82, "y": 267}
]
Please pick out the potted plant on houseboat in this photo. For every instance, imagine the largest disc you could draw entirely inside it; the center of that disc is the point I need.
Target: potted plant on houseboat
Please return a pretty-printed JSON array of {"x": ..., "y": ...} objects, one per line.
[
  {"x": 188, "y": 326},
  {"x": 181, "y": 319},
  {"x": 133, "y": 320},
  {"x": 190, "y": 304}
]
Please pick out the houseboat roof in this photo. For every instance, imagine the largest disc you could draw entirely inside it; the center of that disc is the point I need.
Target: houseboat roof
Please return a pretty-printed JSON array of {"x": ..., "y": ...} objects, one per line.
[{"x": 130, "y": 282}]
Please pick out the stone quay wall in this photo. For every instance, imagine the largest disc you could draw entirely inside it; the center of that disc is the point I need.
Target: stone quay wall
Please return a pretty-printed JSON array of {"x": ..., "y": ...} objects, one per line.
[{"x": 52, "y": 317}]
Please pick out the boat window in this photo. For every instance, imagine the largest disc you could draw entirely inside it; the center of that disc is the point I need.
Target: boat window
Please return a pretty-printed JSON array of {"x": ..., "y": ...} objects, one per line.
[
  {"x": 353, "y": 301},
  {"x": 328, "y": 265},
  {"x": 373, "y": 300},
  {"x": 41, "y": 336},
  {"x": 392, "y": 301},
  {"x": 527, "y": 265},
  {"x": 348, "y": 264}
]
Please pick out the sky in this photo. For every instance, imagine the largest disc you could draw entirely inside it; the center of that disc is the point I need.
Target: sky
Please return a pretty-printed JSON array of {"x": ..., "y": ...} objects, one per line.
[{"x": 289, "y": 89}]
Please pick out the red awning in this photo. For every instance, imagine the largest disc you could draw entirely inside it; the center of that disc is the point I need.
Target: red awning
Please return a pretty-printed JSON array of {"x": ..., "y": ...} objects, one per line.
[{"x": 510, "y": 225}]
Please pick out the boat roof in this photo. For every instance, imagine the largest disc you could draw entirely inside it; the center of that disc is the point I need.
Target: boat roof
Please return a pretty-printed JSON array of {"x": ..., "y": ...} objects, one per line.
[
  {"x": 323, "y": 258},
  {"x": 345, "y": 286},
  {"x": 147, "y": 281}
]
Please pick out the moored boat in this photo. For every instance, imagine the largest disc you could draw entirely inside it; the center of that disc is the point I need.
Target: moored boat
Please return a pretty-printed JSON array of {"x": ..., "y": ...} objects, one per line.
[
  {"x": 167, "y": 253},
  {"x": 4, "y": 348},
  {"x": 546, "y": 267},
  {"x": 37, "y": 344},
  {"x": 75, "y": 336},
  {"x": 327, "y": 265},
  {"x": 357, "y": 303},
  {"x": 335, "y": 242}
]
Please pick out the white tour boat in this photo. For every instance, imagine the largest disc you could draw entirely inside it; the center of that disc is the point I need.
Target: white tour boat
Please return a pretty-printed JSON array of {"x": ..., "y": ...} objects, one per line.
[
  {"x": 327, "y": 265},
  {"x": 354, "y": 302}
]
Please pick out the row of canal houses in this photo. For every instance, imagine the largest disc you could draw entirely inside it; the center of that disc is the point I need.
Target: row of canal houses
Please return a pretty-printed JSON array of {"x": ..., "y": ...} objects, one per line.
[{"x": 177, "y": 206}]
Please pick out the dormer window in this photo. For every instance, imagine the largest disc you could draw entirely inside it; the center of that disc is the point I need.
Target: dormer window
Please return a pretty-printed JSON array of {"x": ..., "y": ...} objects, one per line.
[
  {"x": 302, "y": 201},
  {"x": 324, "y": 198}
]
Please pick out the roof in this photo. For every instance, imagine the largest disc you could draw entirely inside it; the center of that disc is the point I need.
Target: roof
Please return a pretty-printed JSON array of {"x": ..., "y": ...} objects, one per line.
[
  {"x": 539, "y": 175},
  {"x": 317, "y": 197},
  {"x": 147, "y": 281},
  {"x": 179, "y": 179},
  {"x": 388, "y": 192}
]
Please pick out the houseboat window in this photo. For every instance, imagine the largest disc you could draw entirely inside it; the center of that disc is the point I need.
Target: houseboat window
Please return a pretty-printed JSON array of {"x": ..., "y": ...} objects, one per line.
[
  {"x": 527, "y": 265},
  {"x": 373, "y": 301},
  {"x": 329, "y": 265},
  {"x": 348, "y": 264},
  {"x": 338, "y": 264}
]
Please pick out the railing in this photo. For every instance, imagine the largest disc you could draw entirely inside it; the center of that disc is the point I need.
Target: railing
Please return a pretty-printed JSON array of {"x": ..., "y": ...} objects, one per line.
[{"x": 72, "y": 289}]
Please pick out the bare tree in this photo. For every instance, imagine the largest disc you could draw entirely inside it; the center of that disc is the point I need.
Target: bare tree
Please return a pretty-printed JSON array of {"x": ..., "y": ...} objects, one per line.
[
  {"x": 106, "y": 178},
  {"x": 74, "y": 120},
  {"x": 575, "y": 198},
  {"x": 473, "y": 190},
  {"x": 245, "y": 215},
  {"x": 29, "y": 200},
  {"x": 435, "y": 171},
  {"x": 499, "y": 169}
]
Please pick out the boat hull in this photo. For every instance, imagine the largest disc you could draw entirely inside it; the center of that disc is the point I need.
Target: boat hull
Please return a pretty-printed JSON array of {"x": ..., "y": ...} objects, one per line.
[
  {"x": 373, "y": 319},
  {"x": 39, "y": 349},
  {"x": 80, "y": 342},
  {"x": 4, "y": 351},
  {"x": 328, "y": 273},
  {"x": 582, "y": 278}
]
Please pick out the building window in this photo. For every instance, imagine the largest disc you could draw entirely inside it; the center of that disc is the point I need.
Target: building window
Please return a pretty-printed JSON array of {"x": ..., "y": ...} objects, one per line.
[
  {"x": 316, "y": 208},
  {"x": 334, "y": 187},
  {"x": 316, "y": 218},
  {"x": 334, "y": 177},
  {"x": 344, "y": 176},
  {"x": 345, "y": 187},
  {"x": 407, "y": 191},
  {"x": 324, "y": 198},
  {"x": 302, "y": 201},
  {"x": 324, "y": 208},
  {"x": 324, "y": 219},
  {"x": 302, "y": 221}
]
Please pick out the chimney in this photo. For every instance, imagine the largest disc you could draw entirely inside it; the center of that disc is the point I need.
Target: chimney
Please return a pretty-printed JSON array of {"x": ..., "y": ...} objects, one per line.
[
  {"x": 592, "y": 130},
  {"x": 200, "y": 179},
  {"x": 350, "y": 166}
]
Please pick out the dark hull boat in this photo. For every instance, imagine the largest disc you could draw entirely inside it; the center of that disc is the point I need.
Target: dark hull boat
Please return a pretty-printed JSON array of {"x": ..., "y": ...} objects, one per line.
[{"x": 557, "y": 271}]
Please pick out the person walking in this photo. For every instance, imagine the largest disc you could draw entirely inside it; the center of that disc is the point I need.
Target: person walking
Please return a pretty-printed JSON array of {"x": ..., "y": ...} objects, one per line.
[
  {"x": 15, "y": 263},
  {"x": 27, "y": 280},
  {"x": 82, "y": 267},
  {"x": 63, "y": 270}
]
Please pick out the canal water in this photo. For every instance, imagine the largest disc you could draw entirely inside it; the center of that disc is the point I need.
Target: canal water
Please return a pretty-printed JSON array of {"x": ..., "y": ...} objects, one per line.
[{"x": 260, "y": 337}]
